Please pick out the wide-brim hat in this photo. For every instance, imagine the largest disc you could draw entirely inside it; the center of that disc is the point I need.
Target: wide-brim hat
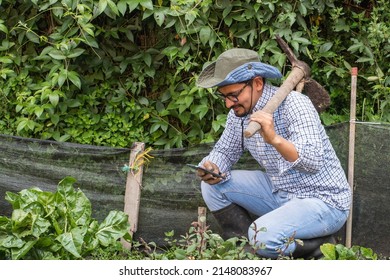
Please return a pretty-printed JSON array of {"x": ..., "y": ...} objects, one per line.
[{"x": 235, "y": 66}]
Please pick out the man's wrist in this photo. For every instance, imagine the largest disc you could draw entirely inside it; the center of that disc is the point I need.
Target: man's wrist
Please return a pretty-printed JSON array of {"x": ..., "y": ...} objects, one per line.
[{"x": 276, "y": 141}]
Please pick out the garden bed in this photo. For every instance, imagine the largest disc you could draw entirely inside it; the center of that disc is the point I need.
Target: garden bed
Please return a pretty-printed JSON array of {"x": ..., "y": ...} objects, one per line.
[{"x": 170, "y": 193}]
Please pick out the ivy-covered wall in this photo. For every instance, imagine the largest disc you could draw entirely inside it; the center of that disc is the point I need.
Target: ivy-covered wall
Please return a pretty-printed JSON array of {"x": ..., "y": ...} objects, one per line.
[{"x": 111, "y": 72}]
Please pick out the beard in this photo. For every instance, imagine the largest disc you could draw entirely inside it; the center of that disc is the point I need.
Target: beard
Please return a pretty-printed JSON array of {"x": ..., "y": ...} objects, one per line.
[{"x": 239, "y": 113}]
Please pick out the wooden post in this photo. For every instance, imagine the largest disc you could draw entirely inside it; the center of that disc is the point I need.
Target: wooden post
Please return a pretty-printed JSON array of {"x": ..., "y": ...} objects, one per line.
[
  {"x": 351, "y": 157},
  {"x": 202, "y": 224},
  {"x": 202, "y": 218},
  {"x": 133, "y": 190}
]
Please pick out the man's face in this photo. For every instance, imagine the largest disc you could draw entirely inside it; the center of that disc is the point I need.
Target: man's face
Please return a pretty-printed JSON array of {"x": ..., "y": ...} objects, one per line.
[{"x": 240, "y": 97}]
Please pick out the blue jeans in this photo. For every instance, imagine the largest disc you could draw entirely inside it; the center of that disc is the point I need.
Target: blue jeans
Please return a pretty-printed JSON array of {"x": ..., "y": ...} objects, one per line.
[{"x": 283, "y": 219}]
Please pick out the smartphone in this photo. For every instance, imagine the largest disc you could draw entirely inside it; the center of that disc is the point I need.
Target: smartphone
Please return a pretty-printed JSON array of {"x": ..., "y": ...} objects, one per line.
[{"x": 205, "y": 170}]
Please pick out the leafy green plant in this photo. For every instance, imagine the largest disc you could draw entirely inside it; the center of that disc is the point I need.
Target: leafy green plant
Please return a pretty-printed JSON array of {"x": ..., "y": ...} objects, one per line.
[
  {"x": 340, "y": 252},
  {"x": 59, "y": 225},
  {"x": 196, "y": 244},
  {"x": 116, "y": 72},
  {"x": 203, "y": 244}
]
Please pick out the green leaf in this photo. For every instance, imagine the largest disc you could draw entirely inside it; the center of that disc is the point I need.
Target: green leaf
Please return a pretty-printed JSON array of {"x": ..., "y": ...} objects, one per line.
[
  {"x": 188, "y": 100},
  {"x": 114, "y": 226},
  {"x": 122, "y": 7},
  {"x": 143, "y": 100},
  {"x": 62, "y": 78},
  {"x": 55, "y": 119},
  {"x": 325, "y": 47},
  {"x": 65, "y": 186},
  {"x": 18, "y": 253},
  {"x": 159, "y": 17},
  {"x": 147, "y": 59},
  {"x": 366, "y": 59},
  {"x": 22, "y": 124},
  {"x": 204, "y": 34},
  {"x": 357, "y": 46},
  {"x": 90, "y": 41},
  {"x": 102, "y": 6},
  {"x": 368, "y": 253},
  {"x": 32, "y": 37},
  {"x": 200, "y": 110},
  {"x": 180, "y": 254},
  {"x": 11, "y": 241},
  {"x": 373, "y": 78},
  {"x": 74, "y": 78},
  {"x": 302, "y": 40},
  {"x": 12, "y": 198},
  {"x": 22, "y": 222},
  {"x": 216, "y": 125},
  {"x": 76, "y": 52},
  {"x": 56, "y": 54},
  {"x": 3, "y": 28},
  {"x": 72, "y": 241},
  {"x": 81, "y": 208},
  {"x": 132, "y": 5},
  {"x": 185, "y": 117},
  {"x": 31, "y": 124},
  {"x": 73, "y": 103},
  {"x": 40, "y": 226},
  {"x": 154, "y": 127},
  {"x": 6, "y": 60},
  {"x": 54, "y": 98},
  {"x": 38, "y": 111},
  {"x": 88, "y": 27},
  {"x": 329, "y": 251},
  {"x": 147, "y": 4},
  {"x": 113, "y": 7},
  {"x": 302, "y": 9}
]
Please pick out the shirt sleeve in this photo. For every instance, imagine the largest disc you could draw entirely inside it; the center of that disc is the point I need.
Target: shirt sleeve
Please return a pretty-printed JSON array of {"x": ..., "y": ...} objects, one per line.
[
  {"x": 303, "y": 129},
  {"x": 228, "y": 149}
]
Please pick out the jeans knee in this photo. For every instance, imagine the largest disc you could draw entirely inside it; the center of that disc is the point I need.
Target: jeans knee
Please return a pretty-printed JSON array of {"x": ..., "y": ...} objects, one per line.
[
  {"x": 213, "y": 198},
  {"x": 207, "y": 192}
]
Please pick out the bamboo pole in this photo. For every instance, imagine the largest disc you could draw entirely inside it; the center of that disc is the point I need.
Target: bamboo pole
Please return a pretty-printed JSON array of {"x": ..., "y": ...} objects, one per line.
[{"x": 351, "y": 156}]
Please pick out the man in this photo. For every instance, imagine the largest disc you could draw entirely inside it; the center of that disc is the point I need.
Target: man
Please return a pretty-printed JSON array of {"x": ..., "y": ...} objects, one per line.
[{"x": 299, "y": 191}]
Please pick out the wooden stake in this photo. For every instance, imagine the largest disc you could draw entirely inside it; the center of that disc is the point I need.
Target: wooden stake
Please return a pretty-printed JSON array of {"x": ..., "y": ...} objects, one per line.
[
  {"x": 351, "y": 156},
  {"x": 202, "y": 218},
  {"x": 202, "y": 224},
  {"x": 133, "y": 190}
]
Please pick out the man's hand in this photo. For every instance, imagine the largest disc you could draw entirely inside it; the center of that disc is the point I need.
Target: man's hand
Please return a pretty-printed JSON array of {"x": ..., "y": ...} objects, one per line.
[
  {"x": 207, "y": 177},
  {"x": 266, "y": 121}
]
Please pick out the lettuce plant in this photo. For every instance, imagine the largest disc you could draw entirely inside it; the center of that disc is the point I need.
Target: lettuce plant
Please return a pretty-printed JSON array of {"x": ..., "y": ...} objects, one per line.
[{"x": 59, "y": 225}]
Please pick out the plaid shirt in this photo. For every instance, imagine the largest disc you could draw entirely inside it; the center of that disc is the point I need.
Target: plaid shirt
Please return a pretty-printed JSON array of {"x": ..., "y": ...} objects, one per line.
[{"x": 316, "y": 173}]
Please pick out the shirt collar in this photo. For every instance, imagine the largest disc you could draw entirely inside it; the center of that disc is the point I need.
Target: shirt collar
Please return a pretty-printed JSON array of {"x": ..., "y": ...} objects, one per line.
[{"x": 268, "y": 92}]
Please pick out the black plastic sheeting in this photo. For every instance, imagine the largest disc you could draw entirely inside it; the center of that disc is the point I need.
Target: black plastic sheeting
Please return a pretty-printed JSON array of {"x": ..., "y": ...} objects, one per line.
[
  {"x": 170, "y": 194},
  {"x": 371, "y": 208}
]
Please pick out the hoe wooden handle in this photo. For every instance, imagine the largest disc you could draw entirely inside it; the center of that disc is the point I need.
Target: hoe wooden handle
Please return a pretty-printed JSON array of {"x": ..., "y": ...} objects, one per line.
[{"x": 298, "y": 73}]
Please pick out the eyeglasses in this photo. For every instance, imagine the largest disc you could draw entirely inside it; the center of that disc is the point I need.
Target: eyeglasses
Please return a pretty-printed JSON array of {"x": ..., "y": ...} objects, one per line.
[{"x": 234, "y": 95}]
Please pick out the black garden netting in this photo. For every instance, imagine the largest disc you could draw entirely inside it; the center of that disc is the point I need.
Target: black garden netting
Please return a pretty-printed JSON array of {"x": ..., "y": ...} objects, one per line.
[{"x": 170, "y": 194}]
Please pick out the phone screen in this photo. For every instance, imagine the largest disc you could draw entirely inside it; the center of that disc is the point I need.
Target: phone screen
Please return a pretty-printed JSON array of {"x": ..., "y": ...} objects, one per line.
[{"x": 206, "y": 170}]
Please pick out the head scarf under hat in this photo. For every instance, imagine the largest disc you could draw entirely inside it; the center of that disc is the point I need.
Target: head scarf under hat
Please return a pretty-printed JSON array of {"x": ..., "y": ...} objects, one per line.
[{"x": 235, "y": 66}]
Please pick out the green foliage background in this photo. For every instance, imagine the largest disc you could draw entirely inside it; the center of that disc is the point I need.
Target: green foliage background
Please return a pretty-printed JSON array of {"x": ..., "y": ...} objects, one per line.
[{"x": 111, "y": 72}]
